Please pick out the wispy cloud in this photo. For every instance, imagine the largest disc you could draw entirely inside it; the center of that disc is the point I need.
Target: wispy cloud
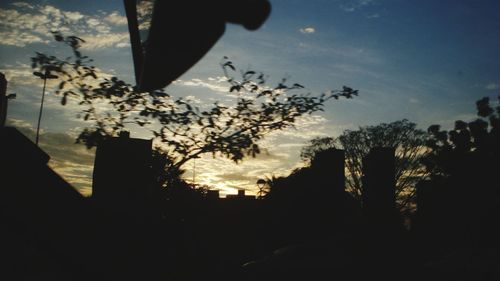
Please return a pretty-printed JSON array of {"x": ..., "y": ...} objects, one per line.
[
  {"x": 414, "y": 101},
  {"x": 116, "y": 19},
  {"x": 73, "y": 16},
  {"x": 217, "y": 84},
  {"x": 100, "y": 41},
  {"x": 228, "y": 176},
  {"x": 307, "y": 30},
  {"x": 492, "y": 86},
  {"x": 354, "y": 5},
  {"x": 194, "y": 100},
  {"x": 23, "y": 5},
  {"x": 23, "y": 24},
  {"x": 309, "y": 126},
  {"x": 354, "y": 55},
  {"x": 29, "y": 87},
  {"x": 19, "y": 74}
]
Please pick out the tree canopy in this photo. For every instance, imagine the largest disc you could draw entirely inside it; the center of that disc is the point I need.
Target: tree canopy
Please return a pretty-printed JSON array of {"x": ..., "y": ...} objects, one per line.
[
  {"x": 469, "y": 146},
  {"x": 185, "y": 131},
  {"x": 403, "y": 136}
]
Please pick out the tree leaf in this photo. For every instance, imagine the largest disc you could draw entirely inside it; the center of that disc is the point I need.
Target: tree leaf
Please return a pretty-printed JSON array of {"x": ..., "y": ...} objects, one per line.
[{"x": 64, "y": 99}]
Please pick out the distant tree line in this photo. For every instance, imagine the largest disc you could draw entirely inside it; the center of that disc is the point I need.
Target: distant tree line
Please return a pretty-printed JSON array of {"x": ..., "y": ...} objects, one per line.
[{"x": 470, "y": 149}]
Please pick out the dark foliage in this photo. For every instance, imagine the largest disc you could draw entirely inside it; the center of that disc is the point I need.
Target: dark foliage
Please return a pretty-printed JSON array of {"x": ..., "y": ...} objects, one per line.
[
  {"x": 409, "y": 144},
  {"x": 477, "y": 141},
  {"x": 186, "y": 131}
]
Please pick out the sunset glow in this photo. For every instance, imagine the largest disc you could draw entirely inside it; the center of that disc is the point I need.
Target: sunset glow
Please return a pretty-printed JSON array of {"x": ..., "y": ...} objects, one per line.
[{"x": 425, "y": 61}]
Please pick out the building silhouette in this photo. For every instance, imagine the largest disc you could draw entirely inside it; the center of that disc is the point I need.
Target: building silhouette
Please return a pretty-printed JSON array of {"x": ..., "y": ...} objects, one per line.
[
  {"x": 122, "y": 177},
  {"x": 328, "y": 168},
  {"x": 44, "y": 220},
  {"x": 49, "y": 228},
  {"x": 212, "y": 195},
  {"x": 379, "y": 186},
  {"x": 241, "y": 195}
]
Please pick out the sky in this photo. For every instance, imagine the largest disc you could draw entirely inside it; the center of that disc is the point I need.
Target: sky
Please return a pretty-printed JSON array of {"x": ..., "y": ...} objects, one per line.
[{"x": 426, "y": 61}]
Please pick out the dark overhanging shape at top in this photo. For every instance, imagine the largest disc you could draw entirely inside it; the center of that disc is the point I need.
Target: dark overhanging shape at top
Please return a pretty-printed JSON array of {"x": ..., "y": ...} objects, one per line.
[{"x": 182, "y": 32}]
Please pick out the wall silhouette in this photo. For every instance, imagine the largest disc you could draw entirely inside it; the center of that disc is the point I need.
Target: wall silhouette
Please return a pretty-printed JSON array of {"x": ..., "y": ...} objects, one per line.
[{"x": 42, "y": 216}]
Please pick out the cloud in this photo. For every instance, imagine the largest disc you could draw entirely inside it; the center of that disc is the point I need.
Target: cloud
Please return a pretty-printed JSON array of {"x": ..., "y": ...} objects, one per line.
[
  {"x": 309, "y": 126},
  {"x": 276, "y": 158},
  {"x": 123, "y": 45},
  {"x": 217, "y": 84},
  {"x": 414, "y": 101},
  {"x": 228, "y": 176},
  {"x": 144, "y": 13},
  {"x": 21, "y": 74},
  {"x": 307, "y": 30},
  {"x": 354, "y": 5},
  {"x": 24, "y": 24},
  {"x": 116, "y": 19},
  {"x": 193, "y": 100},
  {"x": 19, "y": 28},
  {"x": 235, "y": 177},
  {"x": 79, "y": 176},
  {"x": 73, "y": 16},
  {"x": 14, "y": 38},
  {"x": 29, "y": 88},
  {"x": 373, "y": 16},
  {"x": 492, "y": 86},
  {"x": 345, "y": 55},
  {"x": 101, "y": 41},
  {"x": 20, "y": 77},
  {"x": 23, "y": 5}
]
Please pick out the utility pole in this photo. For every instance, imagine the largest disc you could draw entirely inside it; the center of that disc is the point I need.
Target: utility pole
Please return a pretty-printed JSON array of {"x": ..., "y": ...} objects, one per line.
[{"x": 43, "y": 76}]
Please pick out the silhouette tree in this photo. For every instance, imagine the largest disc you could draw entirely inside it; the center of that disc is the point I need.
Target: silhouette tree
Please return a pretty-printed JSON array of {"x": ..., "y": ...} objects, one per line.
[
  {"x": 186, "y": 131},
  {"x": 164, "y": 172},
  {"x": 316, "y": 145},
  {"x": 479, "y": 138},
  {"x": 463, "y": 166},
  {"x": 409, "y": 144}
]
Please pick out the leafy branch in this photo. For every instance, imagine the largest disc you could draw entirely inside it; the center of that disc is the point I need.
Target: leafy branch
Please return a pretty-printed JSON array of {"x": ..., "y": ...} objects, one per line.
[{"x": 186, "y": 131}]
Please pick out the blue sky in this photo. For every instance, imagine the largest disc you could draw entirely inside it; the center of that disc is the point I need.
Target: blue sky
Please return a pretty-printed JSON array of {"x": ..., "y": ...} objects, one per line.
[{"x": 427, "y": 61}]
